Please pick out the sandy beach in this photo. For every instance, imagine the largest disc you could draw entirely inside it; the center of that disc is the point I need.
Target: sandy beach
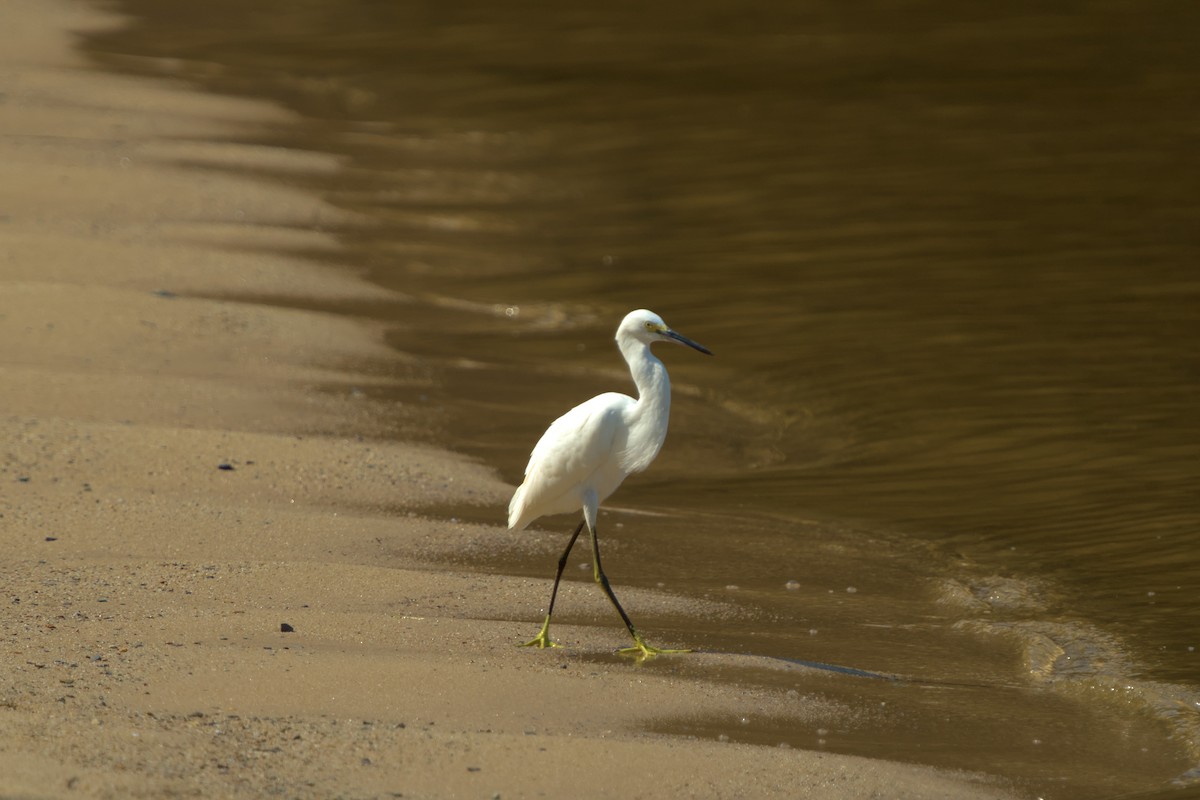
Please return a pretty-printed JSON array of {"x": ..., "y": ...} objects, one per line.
[{"x": 185, "y": 472}]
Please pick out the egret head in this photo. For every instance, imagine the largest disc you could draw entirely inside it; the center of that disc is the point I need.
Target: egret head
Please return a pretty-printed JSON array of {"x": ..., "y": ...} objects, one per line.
[{"x": 646, "y": 326}]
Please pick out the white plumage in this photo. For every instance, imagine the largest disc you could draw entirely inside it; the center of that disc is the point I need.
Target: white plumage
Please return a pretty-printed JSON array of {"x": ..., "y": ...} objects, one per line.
[
  {"x": 581, "y": 450},
  {"x": 586, "y": 453}
]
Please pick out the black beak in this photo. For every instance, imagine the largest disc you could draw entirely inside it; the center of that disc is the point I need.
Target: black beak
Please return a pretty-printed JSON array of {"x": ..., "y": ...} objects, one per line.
[{"x": 684, "y": 340}]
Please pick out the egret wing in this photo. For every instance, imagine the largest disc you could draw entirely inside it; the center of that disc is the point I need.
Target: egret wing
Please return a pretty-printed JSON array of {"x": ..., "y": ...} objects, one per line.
[{"x": 572, "y": 449}]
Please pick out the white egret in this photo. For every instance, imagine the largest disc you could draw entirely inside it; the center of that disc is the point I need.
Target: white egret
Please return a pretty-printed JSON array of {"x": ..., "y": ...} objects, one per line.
[{"x": 585, "y": 454}]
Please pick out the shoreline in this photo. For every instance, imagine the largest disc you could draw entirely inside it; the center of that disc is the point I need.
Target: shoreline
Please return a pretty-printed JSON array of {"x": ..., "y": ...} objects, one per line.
[{"x": 186, "y": 474}]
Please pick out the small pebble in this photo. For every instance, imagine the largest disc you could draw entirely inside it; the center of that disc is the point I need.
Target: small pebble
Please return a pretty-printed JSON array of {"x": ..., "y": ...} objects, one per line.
[
  {"x": 225, "y": 466},
  {"x": 792, "y": 586},
  {"x": 286, "y": 628}
]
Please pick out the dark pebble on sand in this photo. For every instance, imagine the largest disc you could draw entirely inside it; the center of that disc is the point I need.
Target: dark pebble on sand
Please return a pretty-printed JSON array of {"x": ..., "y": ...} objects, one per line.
[
  {"x": 285, "y": 628},
  {"x": 226, "y": 466}
]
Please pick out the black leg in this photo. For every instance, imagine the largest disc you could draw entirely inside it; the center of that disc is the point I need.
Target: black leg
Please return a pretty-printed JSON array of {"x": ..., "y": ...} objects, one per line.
[
  {"x": 602, "y": 579},
  {"x": 562, "y": 563},
  {"x": 543, "y": 637},
  {"x": 640, "y": 649}
]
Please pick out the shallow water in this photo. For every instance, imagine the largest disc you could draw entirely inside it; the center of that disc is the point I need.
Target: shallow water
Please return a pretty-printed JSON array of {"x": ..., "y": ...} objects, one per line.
[{"x": 947, "y": 261}]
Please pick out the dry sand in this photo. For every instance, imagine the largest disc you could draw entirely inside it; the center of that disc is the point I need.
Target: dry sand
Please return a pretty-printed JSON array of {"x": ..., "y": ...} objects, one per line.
[{"x": 182, "y": 474}]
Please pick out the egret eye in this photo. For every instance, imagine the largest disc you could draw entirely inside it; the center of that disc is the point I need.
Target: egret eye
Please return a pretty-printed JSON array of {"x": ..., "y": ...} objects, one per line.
[{"x": 650, "y": 326}]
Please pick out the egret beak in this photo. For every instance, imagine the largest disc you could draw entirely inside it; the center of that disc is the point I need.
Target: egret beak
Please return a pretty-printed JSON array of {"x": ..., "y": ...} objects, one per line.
[{"x": 684, "y": 340}]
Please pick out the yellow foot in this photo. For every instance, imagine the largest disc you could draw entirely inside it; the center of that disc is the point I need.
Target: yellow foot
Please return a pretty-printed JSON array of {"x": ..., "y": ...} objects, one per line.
[
  {"x": 641, "y": 651},
  {"x": 542, "y": 640}
]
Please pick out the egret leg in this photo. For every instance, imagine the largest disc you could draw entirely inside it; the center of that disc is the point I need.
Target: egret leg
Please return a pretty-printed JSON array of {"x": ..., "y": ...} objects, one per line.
[
  {"x": 640, "y": 649},
  {"x": 543, "y": 637}
]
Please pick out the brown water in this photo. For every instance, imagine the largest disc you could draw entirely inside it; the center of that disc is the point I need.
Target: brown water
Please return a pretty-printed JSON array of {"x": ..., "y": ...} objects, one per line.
[{"x": 948, "y": 261}]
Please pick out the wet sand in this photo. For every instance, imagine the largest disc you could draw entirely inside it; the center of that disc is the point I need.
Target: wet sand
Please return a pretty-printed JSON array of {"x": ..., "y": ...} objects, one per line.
[{"x": 184, "y": 473}]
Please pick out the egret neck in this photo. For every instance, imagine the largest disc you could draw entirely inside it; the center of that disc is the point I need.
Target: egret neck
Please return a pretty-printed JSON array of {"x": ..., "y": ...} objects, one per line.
[{"x": 649, "y": 416}]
